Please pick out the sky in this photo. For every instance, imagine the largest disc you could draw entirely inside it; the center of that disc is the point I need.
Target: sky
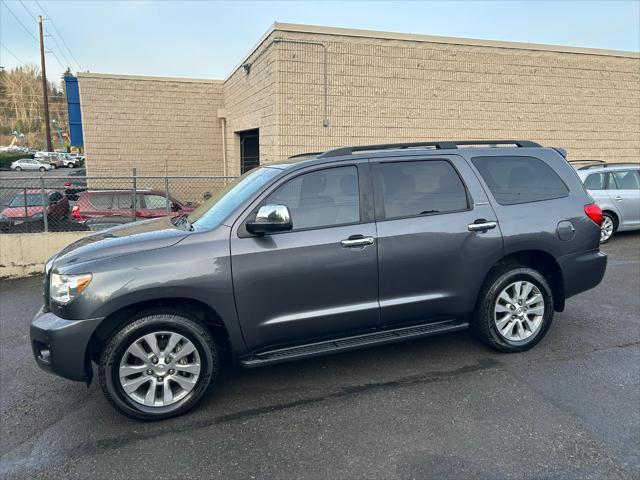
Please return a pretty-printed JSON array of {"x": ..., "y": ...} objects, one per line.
[{"x": 207, "y": 39}]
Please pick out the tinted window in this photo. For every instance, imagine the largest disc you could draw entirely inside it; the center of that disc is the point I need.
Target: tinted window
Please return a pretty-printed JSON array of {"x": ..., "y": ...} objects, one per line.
[
  {"x": 123, "y": 201},
  {"x": 101, "y": 202},
  {"x": 321, "y": 199},
  {"x": 55, "y": 196},
  {"x": 155, "y": 201},
  {"x": 515, "y": 180},
  {"x": 595, "y": 181},
  {"x": 29, "y": 200},
  {"x": 625, "y": 180},
  {"x": 421, "y": 188}
]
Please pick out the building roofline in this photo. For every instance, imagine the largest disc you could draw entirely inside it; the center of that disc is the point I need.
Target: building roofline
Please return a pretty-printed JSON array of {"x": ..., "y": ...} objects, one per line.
[
  {"x": 350, "y": 32},
  {"x": 147, "y": 78}
]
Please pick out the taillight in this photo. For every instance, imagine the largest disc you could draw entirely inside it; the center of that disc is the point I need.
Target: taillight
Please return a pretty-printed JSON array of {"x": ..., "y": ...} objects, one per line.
[
  {"x": 75, "y": 212},
  {"x": 594, "y": 212},
  {"x": 67, "y": 184}
]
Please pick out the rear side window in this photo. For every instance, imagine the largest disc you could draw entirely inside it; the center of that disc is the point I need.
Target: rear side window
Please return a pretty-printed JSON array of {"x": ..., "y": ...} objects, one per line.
[
  {"x": 514, "y": 180},
  {"x": 323, "y": 198},
  {"x": 595, "y": 181},
  {"x": 421, "y": 188},
  {"x": 101, "y": 202}
]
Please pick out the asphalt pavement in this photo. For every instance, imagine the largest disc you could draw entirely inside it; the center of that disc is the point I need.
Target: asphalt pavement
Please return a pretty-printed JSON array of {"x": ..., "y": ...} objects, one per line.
[{"x": 443, "y": 407}]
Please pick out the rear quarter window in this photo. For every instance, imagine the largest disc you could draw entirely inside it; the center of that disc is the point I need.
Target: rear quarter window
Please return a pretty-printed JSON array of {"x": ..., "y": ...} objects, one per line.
[{"x": 514, "y": 179}]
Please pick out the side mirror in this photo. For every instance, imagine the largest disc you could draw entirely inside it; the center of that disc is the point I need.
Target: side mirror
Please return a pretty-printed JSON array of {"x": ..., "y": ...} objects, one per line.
[
  {"x": 270, "y": 218},
  {"x": 175, "y": 207}
]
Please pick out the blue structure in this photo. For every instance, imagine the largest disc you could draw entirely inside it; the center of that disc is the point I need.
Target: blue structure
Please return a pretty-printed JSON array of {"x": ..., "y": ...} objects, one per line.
[{"x": 73, "y": 107}]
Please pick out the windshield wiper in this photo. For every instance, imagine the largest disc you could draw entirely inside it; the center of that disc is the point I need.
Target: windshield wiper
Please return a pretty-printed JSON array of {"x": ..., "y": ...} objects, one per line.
[{"x": 182, "y": 220}]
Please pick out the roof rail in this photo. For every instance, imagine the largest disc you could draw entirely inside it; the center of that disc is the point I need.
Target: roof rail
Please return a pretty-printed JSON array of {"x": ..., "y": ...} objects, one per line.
[
  {"x": 607, "y": 165},
  {"x": 587, "y": 161},
  {"x": 443, "y": 145},
  {"x": 308, "y": 154}
]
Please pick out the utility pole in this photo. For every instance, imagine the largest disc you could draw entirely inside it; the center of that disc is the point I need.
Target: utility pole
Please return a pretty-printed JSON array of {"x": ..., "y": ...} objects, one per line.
[{"x": 45, "y": 89}]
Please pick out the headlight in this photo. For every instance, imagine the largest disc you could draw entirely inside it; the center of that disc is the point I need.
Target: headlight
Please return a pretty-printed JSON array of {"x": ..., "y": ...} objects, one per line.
[{"x": 65, "y": 288}]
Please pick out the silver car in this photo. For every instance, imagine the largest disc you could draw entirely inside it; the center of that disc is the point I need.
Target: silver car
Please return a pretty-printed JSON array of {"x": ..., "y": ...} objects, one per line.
[
  {"x": 30, "y": 164},
  {"x": 616, "y": 189}
]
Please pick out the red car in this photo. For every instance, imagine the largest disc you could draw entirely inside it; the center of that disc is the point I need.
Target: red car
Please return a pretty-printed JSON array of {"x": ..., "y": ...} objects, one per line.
[
  {"x": 26, "y": 207},
  {"x": 119, "y": 203}
]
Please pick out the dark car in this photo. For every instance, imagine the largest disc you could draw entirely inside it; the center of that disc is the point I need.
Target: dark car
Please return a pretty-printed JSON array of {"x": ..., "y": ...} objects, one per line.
[
  {"x": 324, "y": 253},
  {"x": 27, "y": 208},
  {"x": 119, "y": 203},
  {"x": 73, "y": 186}
]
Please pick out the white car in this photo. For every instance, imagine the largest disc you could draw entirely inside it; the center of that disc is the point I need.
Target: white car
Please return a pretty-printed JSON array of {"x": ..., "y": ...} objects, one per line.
[
  {"x": 30, "y": 164},
  {"x": 616, "y": 189}
]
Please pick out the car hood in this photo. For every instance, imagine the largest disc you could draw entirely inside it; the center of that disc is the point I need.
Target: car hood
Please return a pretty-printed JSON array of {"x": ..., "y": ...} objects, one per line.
[
  {"x": 18, "y": 212},
  {"x": 121, "y": 240}
]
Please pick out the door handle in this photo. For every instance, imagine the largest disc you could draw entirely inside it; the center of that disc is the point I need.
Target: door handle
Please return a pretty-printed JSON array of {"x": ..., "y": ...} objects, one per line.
[
  {"x": 481, "y": 224},
  {"x": 618, "y": 199},
  {"x": 356, "y": 241}
]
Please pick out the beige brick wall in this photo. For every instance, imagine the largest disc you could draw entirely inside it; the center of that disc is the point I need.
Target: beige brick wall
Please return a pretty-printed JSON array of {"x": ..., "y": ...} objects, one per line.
[
  {"x": 156, "y": 125},
  {"x": 385, "y": 90},
  {"x": 380, "y": 88}
]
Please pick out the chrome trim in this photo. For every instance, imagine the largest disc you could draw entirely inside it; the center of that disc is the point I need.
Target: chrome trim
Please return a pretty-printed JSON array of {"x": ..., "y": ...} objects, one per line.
[
  {"x": 357, "y": 242},
  {"x": 273, "y": 214},
  {"x": 474, "y": 227}
]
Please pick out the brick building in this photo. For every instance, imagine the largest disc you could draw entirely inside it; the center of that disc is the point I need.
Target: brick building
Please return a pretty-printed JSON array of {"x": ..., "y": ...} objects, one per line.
[{"x": 306, "y": 88}]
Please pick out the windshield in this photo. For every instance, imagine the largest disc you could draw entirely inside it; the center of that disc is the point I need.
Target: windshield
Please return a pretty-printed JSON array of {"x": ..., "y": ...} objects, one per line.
[
  {"x": 211, "y": 213},
  {"x": 32, "y": 200}
]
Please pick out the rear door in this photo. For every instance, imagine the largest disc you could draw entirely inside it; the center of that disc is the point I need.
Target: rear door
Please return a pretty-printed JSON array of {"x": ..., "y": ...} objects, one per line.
[
  {"x": 624, "y": 192},
  {"x": 312, "y": 281},
  {"x": 433, "y": 253}
]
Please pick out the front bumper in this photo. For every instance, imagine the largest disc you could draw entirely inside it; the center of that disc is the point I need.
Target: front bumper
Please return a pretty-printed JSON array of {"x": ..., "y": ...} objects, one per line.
[
  {"x": 60, "y": 346},
  {"x": 582, "y": 271}
]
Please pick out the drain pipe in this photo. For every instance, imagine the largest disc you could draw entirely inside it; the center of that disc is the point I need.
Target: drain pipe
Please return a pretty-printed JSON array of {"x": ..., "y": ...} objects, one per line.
[
  {"x": 222, "y": 115},
  {"x": 325, "y": 115}
]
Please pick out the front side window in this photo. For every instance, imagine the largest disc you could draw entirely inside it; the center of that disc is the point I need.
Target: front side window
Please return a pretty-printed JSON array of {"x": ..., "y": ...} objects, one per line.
[
  {"x": 155, "y": 201},
  {"x": 28, "y": 200},
  {"x": 513, "y": 180},
  {"x": 322, "y": 198},
  {"x": 421, "y": 188},
  {"x": 625, "y": 180}
]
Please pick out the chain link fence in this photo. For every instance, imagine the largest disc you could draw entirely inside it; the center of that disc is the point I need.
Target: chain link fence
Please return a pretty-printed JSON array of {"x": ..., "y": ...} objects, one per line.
[{"x": 76, "y": 202}]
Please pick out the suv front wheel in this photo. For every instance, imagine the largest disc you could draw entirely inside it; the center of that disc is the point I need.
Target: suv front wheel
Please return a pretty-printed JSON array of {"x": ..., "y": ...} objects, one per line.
[
  {"x": 158, "y": 366},
  {"x": 515, "y": 309}
]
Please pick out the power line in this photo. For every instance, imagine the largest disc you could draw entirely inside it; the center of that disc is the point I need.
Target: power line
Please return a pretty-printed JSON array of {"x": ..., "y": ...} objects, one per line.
[
  {"x": 20, "y": 22},
  {"x": 12, "y": 54},
  {"x": 53, "y": 24}
]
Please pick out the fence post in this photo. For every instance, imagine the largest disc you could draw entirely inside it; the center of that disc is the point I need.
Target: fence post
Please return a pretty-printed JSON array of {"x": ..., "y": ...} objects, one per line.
[
  {"x": 45, "y": 205},
  {"x": 166, "y": 194},
  {"x": 133, "y": 202}
]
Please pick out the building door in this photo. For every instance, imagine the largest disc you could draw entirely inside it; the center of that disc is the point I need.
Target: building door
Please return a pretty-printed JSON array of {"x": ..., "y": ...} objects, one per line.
[{"x": 249, "y": 150}]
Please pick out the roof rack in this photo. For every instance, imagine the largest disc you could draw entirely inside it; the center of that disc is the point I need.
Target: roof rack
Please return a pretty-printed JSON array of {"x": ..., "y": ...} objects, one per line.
[
  {"x": 308, "y": 154},
  {"x": 607, "y": 165},
  {"x": 445, "y": 145},
  {"x": 587, "y": 161}
]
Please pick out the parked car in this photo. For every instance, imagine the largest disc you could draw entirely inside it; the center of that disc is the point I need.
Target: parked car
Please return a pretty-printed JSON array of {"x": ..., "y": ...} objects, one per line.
[
  {"x": 350, "y": 248},
  {"x": 68, "y": 161},
  {"x": 30, "y": 164},
  {"x": 119, "y": 203},
  {"x": 73, "y": 186},
  {"x": 27, "y": 207},
  {"x": 616, "y": 189}
]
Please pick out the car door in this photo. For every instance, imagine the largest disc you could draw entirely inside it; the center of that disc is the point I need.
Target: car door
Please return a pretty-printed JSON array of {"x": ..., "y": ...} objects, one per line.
[
  {"x": 624, "y": 192},
  {"x": 433, "y": 252},
  {"x": 154, "y": 205},
  {"x": 320, "y": 279}
]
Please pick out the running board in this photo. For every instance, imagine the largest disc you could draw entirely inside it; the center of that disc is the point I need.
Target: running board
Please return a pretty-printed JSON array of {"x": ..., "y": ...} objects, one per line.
[{"x": 326, "y": 347}]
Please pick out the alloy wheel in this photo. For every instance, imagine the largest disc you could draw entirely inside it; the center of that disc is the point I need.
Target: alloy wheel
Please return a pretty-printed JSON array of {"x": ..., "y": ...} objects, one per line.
[
  {"x": 518, "y": 311},
  {"x": 606, "y": 229},
  {"x": 159, "y": 369}
]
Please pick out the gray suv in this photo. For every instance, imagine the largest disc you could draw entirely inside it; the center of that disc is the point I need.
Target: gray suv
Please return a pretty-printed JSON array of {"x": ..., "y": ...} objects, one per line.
[{"x": 323, "y": 253}]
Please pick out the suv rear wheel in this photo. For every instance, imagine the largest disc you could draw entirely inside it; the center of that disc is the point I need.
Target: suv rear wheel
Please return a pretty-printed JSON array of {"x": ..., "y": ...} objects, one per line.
[
  {"x": 158, "y": 366},
  {"x": 515, "y": 309}
]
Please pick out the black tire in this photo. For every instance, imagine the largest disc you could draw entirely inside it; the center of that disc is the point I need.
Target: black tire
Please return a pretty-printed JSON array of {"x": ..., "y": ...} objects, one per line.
[
  {"x": 18, "y": 169},
  {"x": 71, "y": 165},
  {"x": 483, "y": 323},
  {"x": 42, "y": 169},
  {"x": 144, "y": 323},
  {"x": 614, "y": 221}
]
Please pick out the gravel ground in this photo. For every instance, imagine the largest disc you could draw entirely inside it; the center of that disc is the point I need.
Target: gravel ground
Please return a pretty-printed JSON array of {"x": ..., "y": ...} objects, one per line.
[{"x": 443, "y": 407}]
